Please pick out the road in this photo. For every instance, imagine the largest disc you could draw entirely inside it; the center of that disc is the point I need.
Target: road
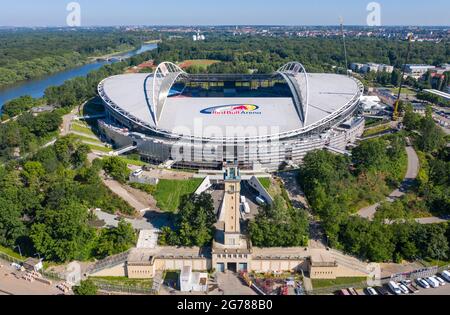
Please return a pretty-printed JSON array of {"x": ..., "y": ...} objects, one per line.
[{"x": 411, "y": 175}]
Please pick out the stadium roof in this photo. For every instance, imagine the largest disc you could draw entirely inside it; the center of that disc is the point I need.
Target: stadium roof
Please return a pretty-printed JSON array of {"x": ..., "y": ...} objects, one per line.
[{"x": 144, "y": 99}]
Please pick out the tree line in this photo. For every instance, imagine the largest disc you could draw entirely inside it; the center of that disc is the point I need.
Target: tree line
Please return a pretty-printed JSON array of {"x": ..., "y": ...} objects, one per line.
[
  {"x": 45, "y": 201},
  {"x": 337, "y": 186},
  {"x": 29, "y": 54}
]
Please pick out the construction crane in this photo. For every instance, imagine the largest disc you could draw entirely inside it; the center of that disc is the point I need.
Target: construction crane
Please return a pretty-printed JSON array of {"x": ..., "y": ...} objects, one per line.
[
  {"x": 341, "y": 20},
  {"x": 402, "y": 80}
]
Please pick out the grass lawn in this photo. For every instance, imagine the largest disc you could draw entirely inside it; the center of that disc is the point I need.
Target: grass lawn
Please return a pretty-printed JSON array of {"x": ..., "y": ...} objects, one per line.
[
  {"x": 169, "y": 192},
  {"x": 99, "y": 148},
  {"x": 125, "y": 282},
  {"x": 266, "y": 182},
  {"x": 133, "y": 162},
  {"x": 376, "y": 130},
  {"x": 404, "y": 91},
  {"x": 80, "y": 128},
  {"x": 90, "y": 140},
  {"x": 10, "y": 252},
  {"x": 434, "y": 263},
  {"x": 203, "y": 63},
  {"x": 317, "y": 284}
]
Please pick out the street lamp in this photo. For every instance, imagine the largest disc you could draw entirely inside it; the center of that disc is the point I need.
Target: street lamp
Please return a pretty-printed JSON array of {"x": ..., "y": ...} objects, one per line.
[
  {"x": 20, "y": 251},
  {"x": 39, "y": 255}
]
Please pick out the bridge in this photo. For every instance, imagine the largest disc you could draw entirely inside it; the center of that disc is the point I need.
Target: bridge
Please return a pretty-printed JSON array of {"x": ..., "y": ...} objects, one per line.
[
  {"x": 338, "y": 151},
  {"x": 123, "y": 150},
  {"x": 97, "y": 116}
]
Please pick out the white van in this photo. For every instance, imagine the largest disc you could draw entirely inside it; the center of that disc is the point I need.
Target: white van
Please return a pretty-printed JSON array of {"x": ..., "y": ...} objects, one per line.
[{"x": 395, "y": 288}]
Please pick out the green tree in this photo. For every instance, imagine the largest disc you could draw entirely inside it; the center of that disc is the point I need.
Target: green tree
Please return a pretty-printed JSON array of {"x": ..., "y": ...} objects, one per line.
[
  {"x": 86, "y": 287},
  {"x": 432, "y": 137},
  {"x": 63, "y": 235},
  {"x": 116, "y": 240},
  {"x": 194, "y": 223},
  {"x": 116, "y": 168},
  {"x": 11, "y": 224}
]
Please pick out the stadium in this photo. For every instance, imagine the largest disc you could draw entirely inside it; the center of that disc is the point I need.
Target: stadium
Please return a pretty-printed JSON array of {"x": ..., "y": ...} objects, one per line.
[{"x": 200, "y": 121}]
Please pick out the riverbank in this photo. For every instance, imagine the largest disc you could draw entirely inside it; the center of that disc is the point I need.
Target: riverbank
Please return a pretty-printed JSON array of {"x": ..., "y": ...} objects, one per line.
[{"x": 36, "y": 88}]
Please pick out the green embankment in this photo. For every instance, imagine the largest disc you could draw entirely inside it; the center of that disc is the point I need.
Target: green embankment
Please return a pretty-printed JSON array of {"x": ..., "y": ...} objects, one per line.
[{"x": 169, "y": 192}]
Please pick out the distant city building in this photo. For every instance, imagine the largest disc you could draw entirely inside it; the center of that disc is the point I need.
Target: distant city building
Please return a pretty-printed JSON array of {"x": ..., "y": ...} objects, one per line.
[
  {"x": 444, "y": 95},
  {"x": 371, "y": 67},
  {"x": 417, "y": 71},
  {"x": 198, "y": 37},
  {"x": 419, "y": 108}
]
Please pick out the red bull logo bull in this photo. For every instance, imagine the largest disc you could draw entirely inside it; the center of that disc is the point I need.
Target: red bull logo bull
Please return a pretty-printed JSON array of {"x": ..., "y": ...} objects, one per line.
[{"x": 236, "y": 109}]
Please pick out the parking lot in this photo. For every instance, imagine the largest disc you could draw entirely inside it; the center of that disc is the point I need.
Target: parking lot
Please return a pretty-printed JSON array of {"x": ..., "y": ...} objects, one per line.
[{"x": 444, "y": 290}]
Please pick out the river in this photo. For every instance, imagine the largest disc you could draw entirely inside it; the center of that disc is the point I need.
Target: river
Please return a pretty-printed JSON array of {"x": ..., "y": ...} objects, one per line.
[{"x": 37, "y": 87}]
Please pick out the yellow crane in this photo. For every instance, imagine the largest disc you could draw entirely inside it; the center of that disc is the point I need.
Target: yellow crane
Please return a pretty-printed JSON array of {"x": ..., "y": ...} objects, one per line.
[{"x": 402, "y": 80}]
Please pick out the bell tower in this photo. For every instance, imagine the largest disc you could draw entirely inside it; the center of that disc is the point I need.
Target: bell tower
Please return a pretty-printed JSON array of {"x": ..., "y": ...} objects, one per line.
[{"x": 232, "y": 206}]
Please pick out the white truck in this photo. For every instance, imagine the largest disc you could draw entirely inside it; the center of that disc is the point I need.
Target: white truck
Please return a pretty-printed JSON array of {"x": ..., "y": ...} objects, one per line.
[{"x": 246, "y": 208}]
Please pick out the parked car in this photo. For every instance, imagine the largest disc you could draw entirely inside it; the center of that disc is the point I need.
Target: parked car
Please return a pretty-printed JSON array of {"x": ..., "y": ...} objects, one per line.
[
  {"x": 440, "y": 280},
  {"x": 343, "y": 292},
  {"x": 352, "y": 291},
  {"x": 382, "y": 291},
  {"x": 261, "y": 201},
  {"x": 371, "y": 291},
  {"x": 432, "y": 282},
  {"x": 138, "y": 173},
  {"x": 446, "y": 275},
  {"x": 395, "y": 288},
  {"x": 424, "y": 284},
  {"x": 404, "y": 289}
]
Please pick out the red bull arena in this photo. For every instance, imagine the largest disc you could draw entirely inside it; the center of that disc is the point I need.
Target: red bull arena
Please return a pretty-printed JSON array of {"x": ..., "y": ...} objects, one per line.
[{"x": 261, "y": 121}]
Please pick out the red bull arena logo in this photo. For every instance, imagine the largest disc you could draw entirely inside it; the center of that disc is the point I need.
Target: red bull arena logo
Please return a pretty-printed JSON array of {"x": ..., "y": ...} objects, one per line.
[{"x": 237, "y": 109}]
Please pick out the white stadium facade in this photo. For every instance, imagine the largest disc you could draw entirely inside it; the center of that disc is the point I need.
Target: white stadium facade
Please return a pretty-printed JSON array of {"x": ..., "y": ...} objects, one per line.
[{"x": 200, "y": 121}]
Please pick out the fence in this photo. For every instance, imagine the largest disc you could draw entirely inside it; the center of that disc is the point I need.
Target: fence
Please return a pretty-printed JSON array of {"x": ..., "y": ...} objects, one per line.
[
  {"x": 49, "y": 275},
  {"x": 333, "y": 289},
  {"x": 129, "y": 289},
  {"x": 10, "y": 259}
]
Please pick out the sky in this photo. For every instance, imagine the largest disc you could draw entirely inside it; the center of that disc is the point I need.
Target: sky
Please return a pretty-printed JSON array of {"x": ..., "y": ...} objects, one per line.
[{"x": 223, "y": 12}]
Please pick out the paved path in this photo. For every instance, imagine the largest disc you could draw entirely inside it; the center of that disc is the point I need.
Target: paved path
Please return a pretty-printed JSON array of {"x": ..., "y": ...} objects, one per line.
[
  {"x": 411, "y": 175},
  {"x": 230, "y": 284},
  {"x": 137, "y": 203},
  {"x": 317, "y": 239},
  {"x": 113, "y": 221}
]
